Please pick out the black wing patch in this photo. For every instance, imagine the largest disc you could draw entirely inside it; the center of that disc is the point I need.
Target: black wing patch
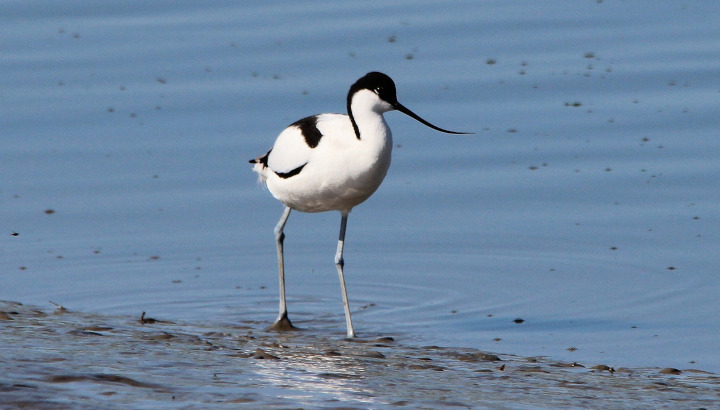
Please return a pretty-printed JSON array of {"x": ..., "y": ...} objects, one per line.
[
  {"x": 285, "y": 175},
  {"x": 291, "y": 173},
  {"x": 309, "y": 130}
]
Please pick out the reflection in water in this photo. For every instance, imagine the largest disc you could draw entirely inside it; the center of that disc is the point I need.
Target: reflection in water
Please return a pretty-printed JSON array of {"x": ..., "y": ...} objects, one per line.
[{"x": 312, "y": 379}]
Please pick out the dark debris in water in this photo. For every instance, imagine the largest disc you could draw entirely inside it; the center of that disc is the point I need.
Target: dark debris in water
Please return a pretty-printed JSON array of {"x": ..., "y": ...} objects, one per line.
[
  {"x": 105, "y": 361},
  {"x": 148, "y": 320},
  {"x": 99, "y": 378},
  {"x": 261, "y": 354}
]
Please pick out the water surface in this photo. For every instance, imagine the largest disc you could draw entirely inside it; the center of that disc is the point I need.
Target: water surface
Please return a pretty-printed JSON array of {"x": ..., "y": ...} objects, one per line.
[{"x": 586, "y": 203}]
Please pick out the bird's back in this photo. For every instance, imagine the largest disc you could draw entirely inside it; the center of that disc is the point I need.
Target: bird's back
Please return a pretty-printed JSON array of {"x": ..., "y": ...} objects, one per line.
[{"x": 318, "y": 164}]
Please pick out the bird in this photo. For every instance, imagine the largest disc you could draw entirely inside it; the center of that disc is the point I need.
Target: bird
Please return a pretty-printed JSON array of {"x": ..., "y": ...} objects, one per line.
[{"x": 332, "y": 162}]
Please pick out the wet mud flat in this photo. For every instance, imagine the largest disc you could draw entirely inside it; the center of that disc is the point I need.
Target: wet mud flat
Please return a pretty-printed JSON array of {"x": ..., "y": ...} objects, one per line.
[{"x": 59, "y": 358}]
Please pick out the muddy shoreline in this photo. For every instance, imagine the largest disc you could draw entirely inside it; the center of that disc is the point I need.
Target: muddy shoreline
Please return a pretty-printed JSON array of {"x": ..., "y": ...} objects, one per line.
[{"x": 59, "y": 358}]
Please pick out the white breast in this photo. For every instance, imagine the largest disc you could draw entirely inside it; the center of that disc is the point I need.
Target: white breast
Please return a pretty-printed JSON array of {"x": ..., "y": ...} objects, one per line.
[{"x": 341, "y": 172}]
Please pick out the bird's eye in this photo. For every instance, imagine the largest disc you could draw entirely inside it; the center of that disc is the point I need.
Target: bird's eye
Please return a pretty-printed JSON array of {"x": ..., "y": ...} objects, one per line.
[{"x": 377, "y": 90}]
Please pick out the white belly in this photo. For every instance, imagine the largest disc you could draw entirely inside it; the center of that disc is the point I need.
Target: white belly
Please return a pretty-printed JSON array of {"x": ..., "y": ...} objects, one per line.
[{"x": 339, "y": 180}]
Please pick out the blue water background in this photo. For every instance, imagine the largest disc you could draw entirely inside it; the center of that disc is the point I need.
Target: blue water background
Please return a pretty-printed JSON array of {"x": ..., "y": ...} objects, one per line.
[{"x": 586, "y": 203}]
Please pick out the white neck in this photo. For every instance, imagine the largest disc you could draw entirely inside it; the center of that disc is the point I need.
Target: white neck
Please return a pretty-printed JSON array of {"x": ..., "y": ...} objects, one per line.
[{"x": 367, "y": 111}]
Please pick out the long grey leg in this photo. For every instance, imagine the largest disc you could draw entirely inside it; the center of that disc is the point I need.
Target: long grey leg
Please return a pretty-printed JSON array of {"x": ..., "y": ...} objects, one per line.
[
  {"x": 282, "y": 322},
  {"x": 339, "y": 264}
]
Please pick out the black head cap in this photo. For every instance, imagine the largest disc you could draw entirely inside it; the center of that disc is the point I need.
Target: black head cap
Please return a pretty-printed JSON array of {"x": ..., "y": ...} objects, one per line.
[{"x": 377, "y": 82}]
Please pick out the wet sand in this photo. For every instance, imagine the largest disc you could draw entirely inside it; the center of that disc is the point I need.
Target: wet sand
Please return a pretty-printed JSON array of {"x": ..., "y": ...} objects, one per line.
[{"x": 53, "y": 357}]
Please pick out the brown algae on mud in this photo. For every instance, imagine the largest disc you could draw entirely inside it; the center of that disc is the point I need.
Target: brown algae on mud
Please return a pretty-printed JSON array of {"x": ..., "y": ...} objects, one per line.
[{"x": 84, "y": 360}]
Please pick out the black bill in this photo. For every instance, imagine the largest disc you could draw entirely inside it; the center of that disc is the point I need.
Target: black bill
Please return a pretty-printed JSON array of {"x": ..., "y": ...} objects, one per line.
[{"x": 406, "y": 111}]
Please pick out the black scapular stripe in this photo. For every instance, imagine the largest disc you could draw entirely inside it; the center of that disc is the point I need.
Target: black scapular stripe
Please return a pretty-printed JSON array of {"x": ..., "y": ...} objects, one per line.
[{"x": 309, "y": 130}]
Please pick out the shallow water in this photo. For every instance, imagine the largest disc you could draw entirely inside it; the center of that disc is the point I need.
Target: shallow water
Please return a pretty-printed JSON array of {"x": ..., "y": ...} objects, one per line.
[
  {"x": 60, "y": 358},
  {"x": 586, "y": 204}
]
